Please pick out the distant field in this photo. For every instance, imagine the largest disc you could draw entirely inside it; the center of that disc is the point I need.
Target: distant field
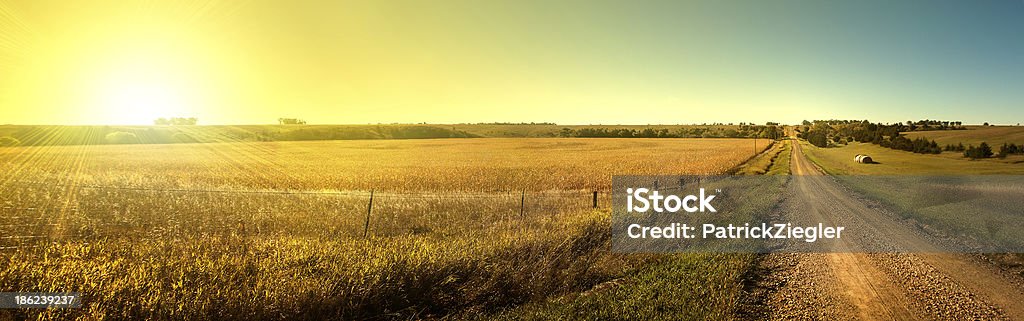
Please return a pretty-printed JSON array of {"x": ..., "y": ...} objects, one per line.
[
  {"x": 39, "y": 135},
  {"x": 452, "y": 165},
  {"x": 242, "y": 230},
  {"x": 45, "y": 135},
  {"x": 974, "y": 135},
  {"x": 839, "y": 160},
  {"x": 548, "y": 130}
]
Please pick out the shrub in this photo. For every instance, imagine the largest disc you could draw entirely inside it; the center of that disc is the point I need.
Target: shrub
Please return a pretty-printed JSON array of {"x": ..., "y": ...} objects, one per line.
[
  {"x": 982, "y": 151},
  {"x": 1008, "y": 149}
]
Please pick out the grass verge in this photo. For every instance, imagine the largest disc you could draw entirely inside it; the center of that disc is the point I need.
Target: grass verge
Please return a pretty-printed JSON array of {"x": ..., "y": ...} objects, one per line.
[
  {"x": 760, "y": 163},
  {"x": 688, "y": 286}
]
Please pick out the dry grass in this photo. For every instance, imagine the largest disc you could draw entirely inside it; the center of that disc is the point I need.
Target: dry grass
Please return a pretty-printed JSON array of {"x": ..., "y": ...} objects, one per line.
[
  {"x": 839, "y": 161},
  {"x": 974, "y": 135},
  {"x": 446, "y": 233}
]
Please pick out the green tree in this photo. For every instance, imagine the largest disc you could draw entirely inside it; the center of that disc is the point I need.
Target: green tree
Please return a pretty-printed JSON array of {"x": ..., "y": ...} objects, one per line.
[{"x": 982, "y": 151}]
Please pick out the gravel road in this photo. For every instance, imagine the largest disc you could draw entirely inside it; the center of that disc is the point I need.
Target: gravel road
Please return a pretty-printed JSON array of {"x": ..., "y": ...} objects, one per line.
[{"x": 923, "y": 284}]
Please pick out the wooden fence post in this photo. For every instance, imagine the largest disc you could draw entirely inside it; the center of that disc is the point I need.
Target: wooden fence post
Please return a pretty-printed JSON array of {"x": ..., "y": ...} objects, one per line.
[
  {"x": 522, "y": 203},
  {"x": 369, "y": 209},
  {"x": 595, "y": 199}
]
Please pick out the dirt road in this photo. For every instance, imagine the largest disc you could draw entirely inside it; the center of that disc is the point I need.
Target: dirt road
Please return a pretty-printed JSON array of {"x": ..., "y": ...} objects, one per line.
[{"x": 922, "y": 285}]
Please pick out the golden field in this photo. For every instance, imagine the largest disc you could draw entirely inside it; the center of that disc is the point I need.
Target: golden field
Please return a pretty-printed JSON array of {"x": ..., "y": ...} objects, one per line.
[
  {"x": 275, "y": 230},
  {"x": 474, "y": 165}
]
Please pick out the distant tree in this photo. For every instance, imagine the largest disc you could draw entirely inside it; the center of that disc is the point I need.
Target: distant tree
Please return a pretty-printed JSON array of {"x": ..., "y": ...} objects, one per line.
[
  {"x": 1010, "y": 149},
  {"x": 817, "y": 138},
  {"x": 982, "y": 151},
  {"x": 8, "y": 141},
  {"x": 806, "y": 123},
  {"x": 176, "y": 121},
  {"x": 985, "y": 150},
  {"x": 985, "y": 124},
  {"x": 291, "y": 121}
]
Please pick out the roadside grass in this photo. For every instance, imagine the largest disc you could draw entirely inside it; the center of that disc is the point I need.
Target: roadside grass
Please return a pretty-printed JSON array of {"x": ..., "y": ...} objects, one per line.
[
  {"x": 763, "y": 162},
  {"x": 977, "y": 211},
  {"x": 839, "y": 161},
  {"x": 780, "y": 165},
  {"x": 686, "y": 286}
]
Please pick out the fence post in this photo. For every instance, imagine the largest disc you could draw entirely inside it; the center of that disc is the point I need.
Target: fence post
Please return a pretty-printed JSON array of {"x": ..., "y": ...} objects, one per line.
[
  {"x": 595, "y": 199},
  {"x": 369, "y": 209},
  {"x": 522, "y": 203}
]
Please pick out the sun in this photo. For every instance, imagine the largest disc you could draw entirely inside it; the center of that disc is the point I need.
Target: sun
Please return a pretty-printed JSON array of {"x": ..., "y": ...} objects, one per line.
[
  {"x": 134, "y": 80},
  {"x": 139, "y": 103},
  {"x": 138, "y": 92}
]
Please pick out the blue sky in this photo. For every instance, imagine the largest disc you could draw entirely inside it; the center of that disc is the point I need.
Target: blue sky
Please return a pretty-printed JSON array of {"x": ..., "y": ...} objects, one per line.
[{"x": 570, "y": 62}]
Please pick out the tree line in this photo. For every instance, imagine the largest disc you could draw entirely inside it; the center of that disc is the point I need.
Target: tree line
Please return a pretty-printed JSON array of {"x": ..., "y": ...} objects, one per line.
[
  {"x": 825, "y": 133},
  {"x": 742, "y": 131},
  {"x": 983, "y": 150},
  {"x": 176, "y": 121}
]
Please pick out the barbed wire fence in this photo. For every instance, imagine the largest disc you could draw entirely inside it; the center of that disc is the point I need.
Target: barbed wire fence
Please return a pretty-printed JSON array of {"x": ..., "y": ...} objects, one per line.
[{"x": 26, "y": 226}]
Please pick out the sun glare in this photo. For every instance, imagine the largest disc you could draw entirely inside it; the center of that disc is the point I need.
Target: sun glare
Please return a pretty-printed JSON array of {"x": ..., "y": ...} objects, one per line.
[
  {"x": 132, "y": 77},
  {"x": 140, "y": 103},
  {"x": 139, "y": 89}
]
